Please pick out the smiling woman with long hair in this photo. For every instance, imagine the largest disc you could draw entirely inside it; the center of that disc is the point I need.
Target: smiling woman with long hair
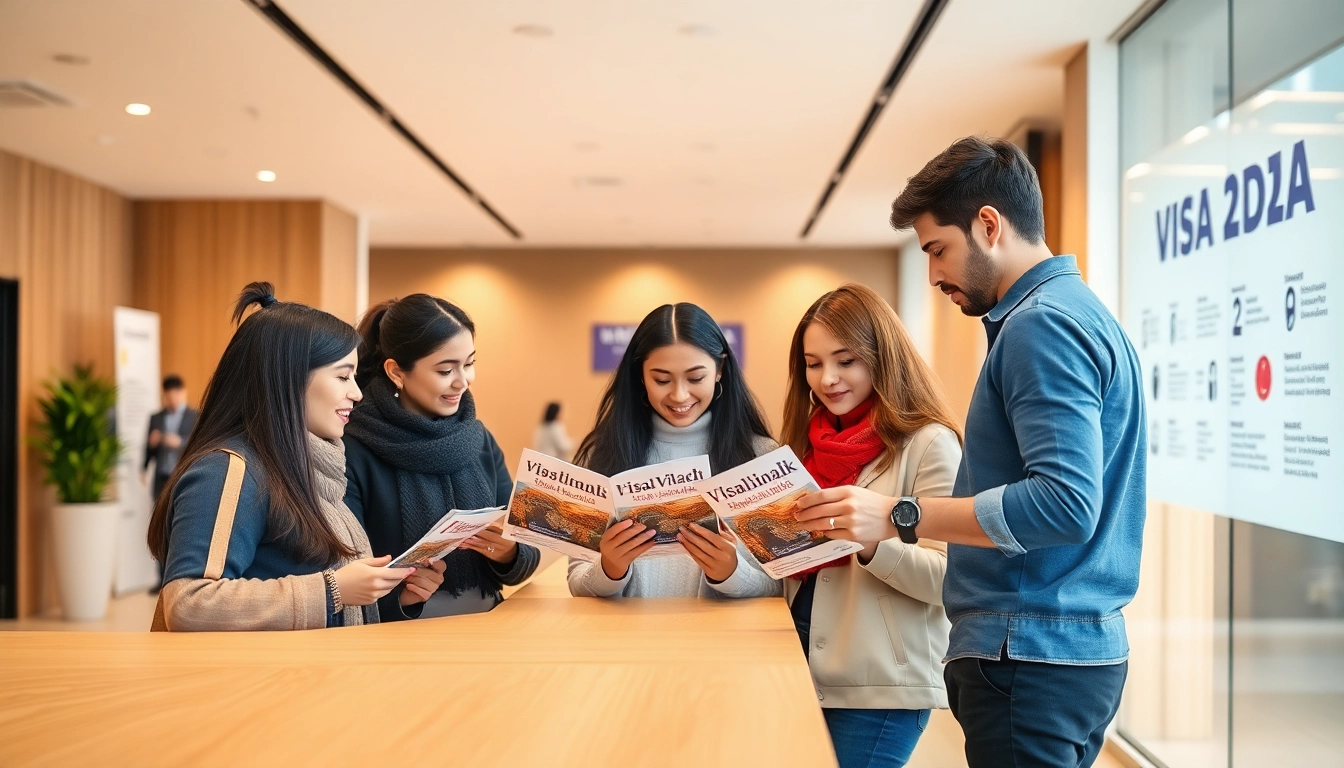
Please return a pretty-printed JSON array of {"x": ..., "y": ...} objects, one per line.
[
  {"x": 864, "y": 410},
  {"x": 251, "y": 527},
  {"x": 678, "y": 392}
]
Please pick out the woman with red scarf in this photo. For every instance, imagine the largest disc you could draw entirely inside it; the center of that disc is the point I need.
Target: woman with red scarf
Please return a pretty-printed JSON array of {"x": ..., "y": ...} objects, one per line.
[{"x": 864, "y": 409}]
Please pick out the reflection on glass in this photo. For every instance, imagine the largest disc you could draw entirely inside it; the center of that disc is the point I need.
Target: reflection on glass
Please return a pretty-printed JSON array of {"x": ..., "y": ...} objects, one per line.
[{"x": 1287, "y": 648}]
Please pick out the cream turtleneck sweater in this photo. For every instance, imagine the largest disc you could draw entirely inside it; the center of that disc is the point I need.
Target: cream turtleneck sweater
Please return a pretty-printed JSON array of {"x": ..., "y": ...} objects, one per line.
[{"x": 676, "y": 575}]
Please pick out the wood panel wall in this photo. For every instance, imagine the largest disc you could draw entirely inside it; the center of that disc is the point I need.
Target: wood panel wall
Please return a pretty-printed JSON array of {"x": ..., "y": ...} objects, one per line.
[
  {"x": 1073, "y": 162},
  {"x": 68, "y": 243},
  {"x": 193, "y": 257}
]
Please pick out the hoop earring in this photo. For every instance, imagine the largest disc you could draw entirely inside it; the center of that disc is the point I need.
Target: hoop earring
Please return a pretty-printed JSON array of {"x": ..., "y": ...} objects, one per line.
[
  {"x": 718, "y": 389},
  {"x": 811, "y": 398}
]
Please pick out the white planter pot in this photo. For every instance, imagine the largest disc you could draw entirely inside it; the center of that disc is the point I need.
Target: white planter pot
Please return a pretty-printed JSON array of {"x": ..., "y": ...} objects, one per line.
[{"x": 85, "y": 538}]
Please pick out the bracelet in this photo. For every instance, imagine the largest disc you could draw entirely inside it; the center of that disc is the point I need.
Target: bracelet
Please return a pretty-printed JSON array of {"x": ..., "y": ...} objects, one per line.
[{"x": 335, "y": 590}]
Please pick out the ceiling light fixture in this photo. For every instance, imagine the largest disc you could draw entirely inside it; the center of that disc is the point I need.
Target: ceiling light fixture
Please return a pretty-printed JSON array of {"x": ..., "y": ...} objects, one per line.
[
  {"x": 137, "y": 109},
  {"x": 533, "y": 30},
  {"x": 266, "y": 176}
]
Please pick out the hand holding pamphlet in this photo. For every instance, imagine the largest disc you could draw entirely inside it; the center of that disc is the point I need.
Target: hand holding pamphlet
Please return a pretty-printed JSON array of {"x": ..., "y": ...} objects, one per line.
[
  {"x": 664, "y": 497},
  {"x": 446, "y": 535},
  {"x": 757, "y": 500}
]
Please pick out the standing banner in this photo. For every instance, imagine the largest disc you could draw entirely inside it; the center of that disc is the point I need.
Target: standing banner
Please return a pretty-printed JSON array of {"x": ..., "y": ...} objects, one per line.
[{"x": 136, "y": 334}]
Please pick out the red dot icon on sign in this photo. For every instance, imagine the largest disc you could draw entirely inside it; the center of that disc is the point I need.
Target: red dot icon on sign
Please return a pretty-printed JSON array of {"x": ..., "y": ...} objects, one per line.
[{"x": 1263, "y": 378}]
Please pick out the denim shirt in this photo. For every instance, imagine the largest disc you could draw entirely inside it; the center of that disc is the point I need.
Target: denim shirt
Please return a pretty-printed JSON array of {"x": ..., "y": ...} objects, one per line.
[{"x": 1055, "y": 458}]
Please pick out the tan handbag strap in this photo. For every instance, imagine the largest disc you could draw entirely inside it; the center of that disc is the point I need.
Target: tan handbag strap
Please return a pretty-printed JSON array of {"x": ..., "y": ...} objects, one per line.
[
  {"x": 228, "y": 505},
  {"x": 219, "y": 538}
]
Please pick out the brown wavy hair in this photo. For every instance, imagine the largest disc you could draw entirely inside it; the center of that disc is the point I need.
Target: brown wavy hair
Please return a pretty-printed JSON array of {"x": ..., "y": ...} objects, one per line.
[{"x": 908, "y": 394}]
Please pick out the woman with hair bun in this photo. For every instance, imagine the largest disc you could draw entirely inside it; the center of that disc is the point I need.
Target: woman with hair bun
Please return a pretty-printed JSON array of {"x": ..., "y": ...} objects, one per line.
[
  {"x": 251, "y": 526},
  {"x": 415, "y": 450}
]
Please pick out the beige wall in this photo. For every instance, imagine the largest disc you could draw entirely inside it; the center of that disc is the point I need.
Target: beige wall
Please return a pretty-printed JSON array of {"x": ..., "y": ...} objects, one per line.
[
  {"x": 534, "y": 310},
  {"x": 68, "y": 243}
]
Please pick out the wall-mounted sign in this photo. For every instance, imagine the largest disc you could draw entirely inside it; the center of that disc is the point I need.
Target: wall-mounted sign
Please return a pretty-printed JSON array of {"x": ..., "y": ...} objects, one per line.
[
  {"x": 1231, "y": 263},
  {"x": 611, "y": 339}
]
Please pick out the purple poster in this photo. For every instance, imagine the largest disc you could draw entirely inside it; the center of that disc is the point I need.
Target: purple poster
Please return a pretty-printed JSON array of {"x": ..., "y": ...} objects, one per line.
[{"x": 611, "y": 339}]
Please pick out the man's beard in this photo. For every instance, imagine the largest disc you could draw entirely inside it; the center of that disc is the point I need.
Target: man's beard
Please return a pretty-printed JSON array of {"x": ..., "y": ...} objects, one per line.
[{"x": 981, "y": 281}]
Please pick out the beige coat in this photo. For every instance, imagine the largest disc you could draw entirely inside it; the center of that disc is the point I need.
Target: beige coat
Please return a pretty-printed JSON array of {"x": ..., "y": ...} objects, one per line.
[{"x": 879, "y": 631}]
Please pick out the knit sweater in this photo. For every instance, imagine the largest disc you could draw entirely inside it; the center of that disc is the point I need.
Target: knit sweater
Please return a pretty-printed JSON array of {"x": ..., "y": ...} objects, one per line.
[{"x": 676, "y": 575}]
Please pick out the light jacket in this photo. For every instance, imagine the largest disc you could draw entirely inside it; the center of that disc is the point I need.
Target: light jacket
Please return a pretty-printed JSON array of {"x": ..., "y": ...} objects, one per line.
[{"x": 878, "y": 631}]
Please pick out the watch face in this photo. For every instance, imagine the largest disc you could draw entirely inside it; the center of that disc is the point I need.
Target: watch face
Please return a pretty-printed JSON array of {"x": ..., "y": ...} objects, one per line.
[{"x": 905, "y": 514}]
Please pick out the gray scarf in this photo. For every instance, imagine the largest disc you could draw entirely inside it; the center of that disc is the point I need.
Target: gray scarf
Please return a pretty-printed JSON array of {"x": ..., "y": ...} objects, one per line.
[
  {"x": 328, "y": 460},
  {"x": 438, "y": 463}
]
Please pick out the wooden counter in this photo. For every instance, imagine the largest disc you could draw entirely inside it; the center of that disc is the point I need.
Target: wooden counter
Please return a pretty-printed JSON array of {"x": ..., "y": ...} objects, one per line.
[{"x": 545, "y": 679}]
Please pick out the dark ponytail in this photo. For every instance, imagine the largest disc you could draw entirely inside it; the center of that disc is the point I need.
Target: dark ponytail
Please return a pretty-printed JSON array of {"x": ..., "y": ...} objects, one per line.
[
  {"x": 406, "y": 330},
  {"x": 257, "y": 393}
]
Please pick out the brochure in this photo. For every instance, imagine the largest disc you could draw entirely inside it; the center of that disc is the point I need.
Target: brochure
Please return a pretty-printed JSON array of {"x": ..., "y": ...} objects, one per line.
[
  {"x": 757, "y": 501},
  {"x": 559, "y": 506},
  {"x": 446, "y": 535},
  {"x": 567, "y": 508},
  {"x": 664, "y": 498}
]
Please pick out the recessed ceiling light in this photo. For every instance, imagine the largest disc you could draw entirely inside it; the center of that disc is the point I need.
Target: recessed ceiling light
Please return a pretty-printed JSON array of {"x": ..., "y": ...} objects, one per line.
[
  {"x": 586, "y": 146},
  {"x": 70, "y": 58},
  {"x": 696, "y": 30},
  {"x": 703, "y": 146},
  {"x": 533, "y": 30},
  {"x": 104, "y": 140},
  {"x": 139, "y": 110},
  {"x": 266, "y": 176}
]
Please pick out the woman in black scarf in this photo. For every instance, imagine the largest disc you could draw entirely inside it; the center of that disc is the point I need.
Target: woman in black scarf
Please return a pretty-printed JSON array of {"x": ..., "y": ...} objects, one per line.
[{"x": 414, "y": 450}]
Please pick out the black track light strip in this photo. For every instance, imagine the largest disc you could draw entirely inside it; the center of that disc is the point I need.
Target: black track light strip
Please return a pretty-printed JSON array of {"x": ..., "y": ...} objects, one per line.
[
  {"x": 287, "y": 25},
  {"x": 928, "y": 15}
]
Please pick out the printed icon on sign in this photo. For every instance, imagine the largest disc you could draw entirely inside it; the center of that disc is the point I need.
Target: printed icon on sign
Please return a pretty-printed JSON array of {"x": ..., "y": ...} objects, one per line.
[
  {"x": 1173, "y": 327},
  {"x": 1290, "y": 308},
  {"x": 1262, "y": 378},
  {"x": 1213, "y": 381},
  {"x": 1155, "y": 381},
  {"x": 1152, "y": 437},
  {"x": 1236, "y": 319}
]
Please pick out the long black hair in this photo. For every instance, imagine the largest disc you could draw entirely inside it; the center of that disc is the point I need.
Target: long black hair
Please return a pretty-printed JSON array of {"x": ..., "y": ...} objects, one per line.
[
  {"x": 258, "y": 393},
  {"x": 406, "y": 330},
  {"x": 620, "y": 440}
]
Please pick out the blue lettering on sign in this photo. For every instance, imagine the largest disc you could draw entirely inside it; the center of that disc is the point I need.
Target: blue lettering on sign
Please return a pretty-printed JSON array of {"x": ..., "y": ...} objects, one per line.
[{"x": 1178, "y": 233}]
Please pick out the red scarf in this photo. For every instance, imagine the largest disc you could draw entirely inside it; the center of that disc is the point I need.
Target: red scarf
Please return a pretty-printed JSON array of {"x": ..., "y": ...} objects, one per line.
[{"x": 839, "y": 453}]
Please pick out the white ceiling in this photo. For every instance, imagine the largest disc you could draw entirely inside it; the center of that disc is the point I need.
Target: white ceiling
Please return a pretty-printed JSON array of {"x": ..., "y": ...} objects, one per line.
[{"x": 720, "y": 138}]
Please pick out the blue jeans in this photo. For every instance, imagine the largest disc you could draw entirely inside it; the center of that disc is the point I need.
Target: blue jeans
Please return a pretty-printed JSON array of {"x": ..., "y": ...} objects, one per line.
[{"x": 875, "y": 738}]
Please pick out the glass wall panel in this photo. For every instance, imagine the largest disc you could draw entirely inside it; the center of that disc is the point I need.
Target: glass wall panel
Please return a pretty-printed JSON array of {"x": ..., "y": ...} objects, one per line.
[{"x": 1237, "y": 632}]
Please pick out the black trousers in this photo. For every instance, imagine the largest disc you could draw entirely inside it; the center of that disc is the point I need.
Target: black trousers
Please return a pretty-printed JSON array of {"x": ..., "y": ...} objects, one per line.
[{"x": 1023, "y": 714}]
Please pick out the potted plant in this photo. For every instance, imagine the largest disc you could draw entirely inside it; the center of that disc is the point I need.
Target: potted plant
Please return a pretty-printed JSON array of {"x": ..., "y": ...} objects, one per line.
[{"x": 79, "y": 452}]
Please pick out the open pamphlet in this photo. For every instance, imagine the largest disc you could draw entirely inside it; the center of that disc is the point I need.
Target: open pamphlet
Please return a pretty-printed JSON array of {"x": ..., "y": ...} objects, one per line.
[
  {"x": 757, "y": 501},
  {"x": 559, "y": 506},
  {"x": 567, "y": 508},
  {"x": 664, "y": 497},
  {"x": 446, "y": 535}
]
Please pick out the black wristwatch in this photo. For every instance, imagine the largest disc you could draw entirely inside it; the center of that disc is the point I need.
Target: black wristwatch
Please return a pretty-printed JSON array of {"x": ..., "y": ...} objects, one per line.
[{"x": 905, "y": 516}]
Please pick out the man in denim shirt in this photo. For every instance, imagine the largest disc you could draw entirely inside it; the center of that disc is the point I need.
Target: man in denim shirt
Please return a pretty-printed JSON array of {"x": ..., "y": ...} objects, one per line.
[{"x": 1047, "y": 526}]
